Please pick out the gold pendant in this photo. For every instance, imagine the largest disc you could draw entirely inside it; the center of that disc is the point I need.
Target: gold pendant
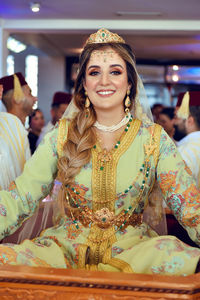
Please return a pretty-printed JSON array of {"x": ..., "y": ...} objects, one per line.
[
  {"x": 104, "y": 156},
  {"x": 149, "y": 149},
  {"x": 103, "y": 218}
]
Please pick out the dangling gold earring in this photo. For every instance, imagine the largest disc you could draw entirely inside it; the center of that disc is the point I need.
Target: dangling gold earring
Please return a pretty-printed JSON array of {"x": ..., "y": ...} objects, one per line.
[
  {"x": 87, "y": 105},
  {"x": 127, "y": 102}
]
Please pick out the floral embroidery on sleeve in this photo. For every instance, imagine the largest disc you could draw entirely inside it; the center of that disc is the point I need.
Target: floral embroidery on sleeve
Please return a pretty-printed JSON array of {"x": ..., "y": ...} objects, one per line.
[
  {"x": 170, "y": 267},
  {"x": 175, "y": 202},
  {"x": 53, "y": 141},
  {"x": 168, "y": 149},
  {"x": 168, "y": 181},
  {"x": 3, "y": 211}
]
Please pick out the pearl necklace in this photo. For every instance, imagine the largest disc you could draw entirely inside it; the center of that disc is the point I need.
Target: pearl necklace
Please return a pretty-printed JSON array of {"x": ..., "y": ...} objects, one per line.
[{"x": 113, "y": 128}]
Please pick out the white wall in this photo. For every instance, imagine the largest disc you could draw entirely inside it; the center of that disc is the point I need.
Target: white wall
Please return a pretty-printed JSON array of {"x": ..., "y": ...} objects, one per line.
[
  {"x": 3, "y": 49},
  {"x": 51, "y": 78}
]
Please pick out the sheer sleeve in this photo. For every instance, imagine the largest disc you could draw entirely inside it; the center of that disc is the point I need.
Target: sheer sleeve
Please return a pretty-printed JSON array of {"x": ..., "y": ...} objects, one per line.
[
  {"x": 30, "y": 187},
  {"x": 178, "y": 187}
]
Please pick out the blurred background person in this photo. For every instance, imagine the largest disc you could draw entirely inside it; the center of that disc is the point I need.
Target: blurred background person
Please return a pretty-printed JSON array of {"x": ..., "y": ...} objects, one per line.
[
  {"x": 14, "y": 145},
  {"x": 189, "y": 146},
  {"x": 166, "y": 120},
  {"x": 179, "y": 123},
  {"x": 36, "y": 123},
  {"x": 59, "y": 104},
  {"x": 18, "y": 101},
  {"x": 156, "y": 109}
]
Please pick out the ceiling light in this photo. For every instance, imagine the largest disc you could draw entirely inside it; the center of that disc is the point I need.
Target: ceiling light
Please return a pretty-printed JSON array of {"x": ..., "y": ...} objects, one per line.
[
  {"x": 35, "y": 6},
  {"x": 175, "y": 67},
  {"x": 175, "y": 78},
  {"x": 15, "y": 45},
  {"x": 138, "y": 13}
]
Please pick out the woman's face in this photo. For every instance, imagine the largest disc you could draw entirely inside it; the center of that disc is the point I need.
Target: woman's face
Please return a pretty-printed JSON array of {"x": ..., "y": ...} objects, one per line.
[
  {"x": 106, "y": 80},
  {"x": 166, "y": 123},
  {"x": 37, "y": 122}
]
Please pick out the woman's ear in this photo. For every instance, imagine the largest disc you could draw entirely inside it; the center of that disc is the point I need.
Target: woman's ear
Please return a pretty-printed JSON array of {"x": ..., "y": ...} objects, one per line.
[
  {"x": 190, "y": 124},
  {"x": 129, "y": 86},
  {"x": 190, "y": 120}
]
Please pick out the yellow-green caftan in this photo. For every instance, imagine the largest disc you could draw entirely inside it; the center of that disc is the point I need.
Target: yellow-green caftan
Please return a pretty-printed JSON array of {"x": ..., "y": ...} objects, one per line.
[{"x": 121, "y": 184}]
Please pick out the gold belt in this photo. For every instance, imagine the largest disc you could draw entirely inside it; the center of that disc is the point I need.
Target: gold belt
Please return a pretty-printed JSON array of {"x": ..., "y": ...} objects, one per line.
[{"x": 104, "y": 218}]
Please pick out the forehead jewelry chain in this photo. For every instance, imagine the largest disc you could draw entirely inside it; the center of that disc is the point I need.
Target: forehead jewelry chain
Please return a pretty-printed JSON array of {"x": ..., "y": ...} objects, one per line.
[{"x": 105, "y": 54}]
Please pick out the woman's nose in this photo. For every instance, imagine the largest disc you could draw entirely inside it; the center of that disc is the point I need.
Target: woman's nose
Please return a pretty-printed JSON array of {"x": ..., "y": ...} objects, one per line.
[{"x": 105, "y": 80}]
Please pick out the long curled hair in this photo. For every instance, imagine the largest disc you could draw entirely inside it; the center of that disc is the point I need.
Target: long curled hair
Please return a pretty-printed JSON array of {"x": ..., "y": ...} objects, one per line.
[{"x": 81, "y": 136}]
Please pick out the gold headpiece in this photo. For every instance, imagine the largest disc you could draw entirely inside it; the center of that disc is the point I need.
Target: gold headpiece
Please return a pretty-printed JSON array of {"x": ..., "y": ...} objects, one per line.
[
  {"x": 104, "y": 36},
  {"x": 183, "y": 111}
]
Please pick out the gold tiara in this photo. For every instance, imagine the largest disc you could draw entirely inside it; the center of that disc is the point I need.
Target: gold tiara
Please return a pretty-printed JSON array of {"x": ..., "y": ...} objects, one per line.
[{"x": 104, "y": 36}]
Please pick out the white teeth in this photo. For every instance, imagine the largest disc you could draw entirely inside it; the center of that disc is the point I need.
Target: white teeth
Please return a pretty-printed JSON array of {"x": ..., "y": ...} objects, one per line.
[{"x": 105, "y": 92}]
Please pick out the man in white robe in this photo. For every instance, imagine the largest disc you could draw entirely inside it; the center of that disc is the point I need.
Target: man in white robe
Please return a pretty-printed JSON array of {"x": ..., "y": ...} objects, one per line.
[
  {"x": 14, "y": 148},
  {"x": 14, "y": 145},
  {"x": 189, "y": 146}
]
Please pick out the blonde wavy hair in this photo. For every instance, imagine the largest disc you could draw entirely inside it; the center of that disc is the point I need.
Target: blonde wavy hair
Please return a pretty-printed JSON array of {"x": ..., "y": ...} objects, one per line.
[{"x": 81, "y": 136}]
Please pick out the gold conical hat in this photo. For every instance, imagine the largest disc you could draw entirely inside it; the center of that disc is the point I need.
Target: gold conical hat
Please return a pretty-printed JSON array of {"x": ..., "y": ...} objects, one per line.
[
  {"x": 104, "y": 36},
  {"x": 18, "y": 92},
  {"x": 183, "y": 111}
]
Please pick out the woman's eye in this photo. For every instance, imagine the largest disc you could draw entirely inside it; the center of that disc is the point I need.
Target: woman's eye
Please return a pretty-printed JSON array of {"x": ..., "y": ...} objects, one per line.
[
  {"x": 116, "y": 72},
  {"x": 93, "y": 73}
]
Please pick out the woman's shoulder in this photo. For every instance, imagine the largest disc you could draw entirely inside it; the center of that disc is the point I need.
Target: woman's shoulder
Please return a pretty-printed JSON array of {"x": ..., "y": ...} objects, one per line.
[{"x": 149, "y": 127}]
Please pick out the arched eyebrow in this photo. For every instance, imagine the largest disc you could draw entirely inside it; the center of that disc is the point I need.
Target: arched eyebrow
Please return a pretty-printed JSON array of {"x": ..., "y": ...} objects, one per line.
[
  {"x": 96, "y": 66},
  {"x": 117, "y": 65},
  {"x": 93, "y": 66}
]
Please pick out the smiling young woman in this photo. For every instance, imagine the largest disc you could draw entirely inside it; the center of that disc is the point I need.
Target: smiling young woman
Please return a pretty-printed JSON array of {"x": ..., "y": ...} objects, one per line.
[{"x": 107, "y": 153}]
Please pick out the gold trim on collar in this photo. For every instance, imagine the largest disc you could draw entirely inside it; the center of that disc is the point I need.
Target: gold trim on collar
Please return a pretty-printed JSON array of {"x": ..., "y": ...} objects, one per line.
[
  {"x": 62, "y": 136},
  {"x": 102, "y": 197}
]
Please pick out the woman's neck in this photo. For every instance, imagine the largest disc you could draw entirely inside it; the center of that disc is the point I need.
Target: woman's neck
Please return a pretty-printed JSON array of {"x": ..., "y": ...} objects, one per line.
[
  {"x": 109, "y": 118},
  {"x": 36, "y": 131}
]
